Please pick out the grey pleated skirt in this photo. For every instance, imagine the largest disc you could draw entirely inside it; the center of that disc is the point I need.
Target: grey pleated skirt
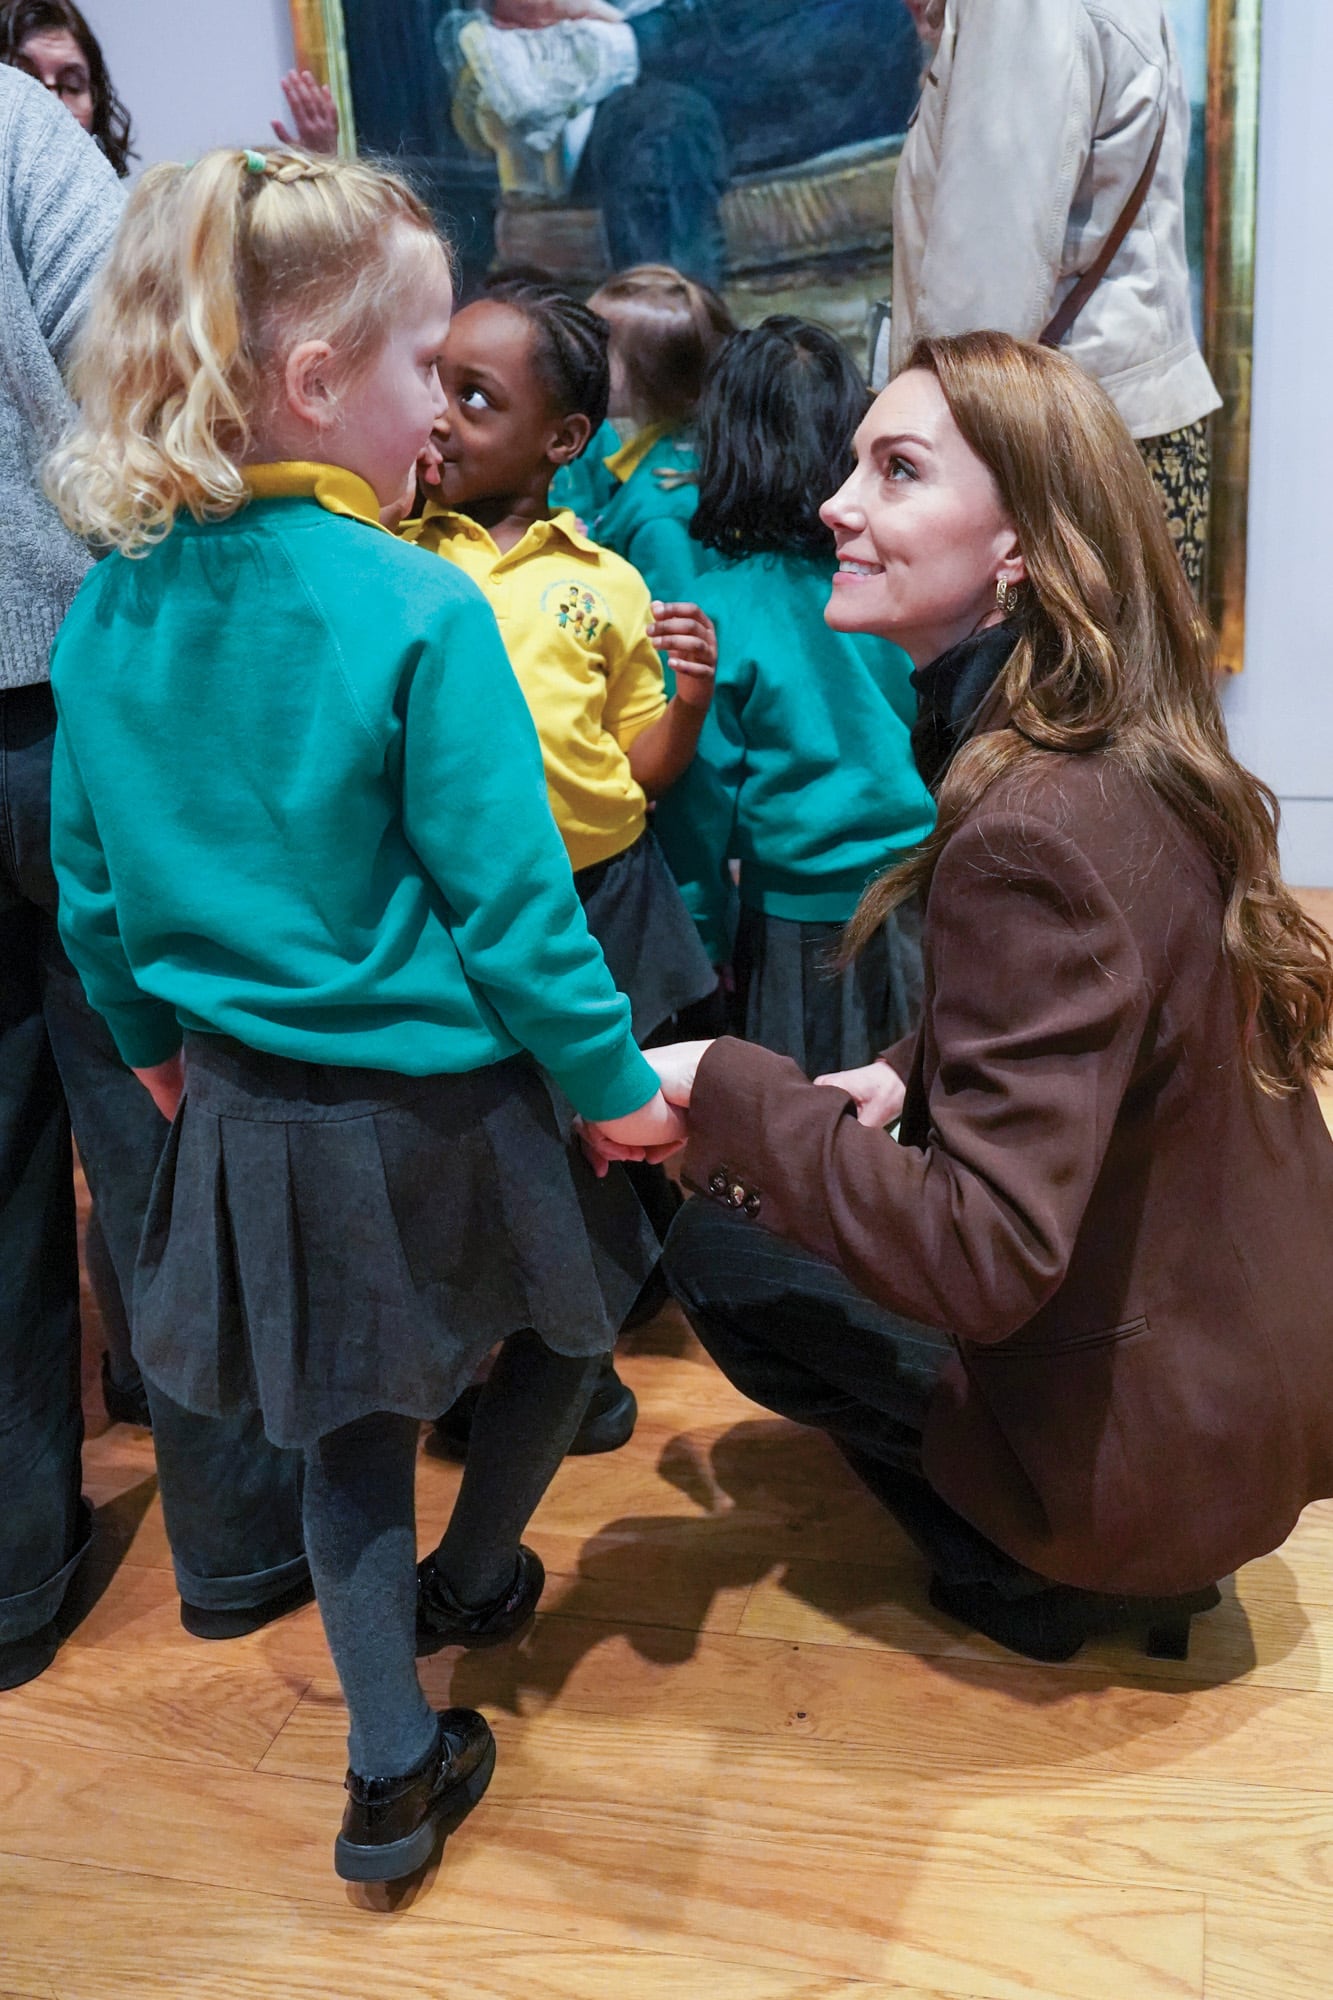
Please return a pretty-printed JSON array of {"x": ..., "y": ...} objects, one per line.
[
  {"x": 792, "y": 996},
  {"x": 323, "y": 1243},
  {"x": 639, "y": 918}
]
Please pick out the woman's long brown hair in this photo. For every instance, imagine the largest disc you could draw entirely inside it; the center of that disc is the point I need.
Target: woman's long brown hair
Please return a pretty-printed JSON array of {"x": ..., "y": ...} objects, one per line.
[{"x": 1114, "y": 656}]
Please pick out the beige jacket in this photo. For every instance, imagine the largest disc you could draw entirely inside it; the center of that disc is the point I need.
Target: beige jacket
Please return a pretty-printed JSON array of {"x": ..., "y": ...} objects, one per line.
[{"x": 1036, "y": 121}]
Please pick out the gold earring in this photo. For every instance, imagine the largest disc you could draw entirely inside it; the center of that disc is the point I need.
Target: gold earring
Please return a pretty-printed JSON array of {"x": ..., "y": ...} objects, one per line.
[{"x": 1006, "y": 595}]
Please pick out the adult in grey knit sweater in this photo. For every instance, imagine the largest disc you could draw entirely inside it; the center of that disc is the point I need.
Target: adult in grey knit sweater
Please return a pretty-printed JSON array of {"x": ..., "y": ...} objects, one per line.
[{"x": 230, "y": 1500}]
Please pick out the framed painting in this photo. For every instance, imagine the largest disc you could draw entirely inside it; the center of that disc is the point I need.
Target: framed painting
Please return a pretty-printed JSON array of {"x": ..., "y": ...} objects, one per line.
[{"x": 755, "y": 142}]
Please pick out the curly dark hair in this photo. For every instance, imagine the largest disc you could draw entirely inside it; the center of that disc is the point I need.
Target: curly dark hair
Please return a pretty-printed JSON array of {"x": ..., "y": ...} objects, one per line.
[
  {"x": 111, "y": 121},
  {"x": 572, "y": 343},
  {"x": 774, "y": 435}
]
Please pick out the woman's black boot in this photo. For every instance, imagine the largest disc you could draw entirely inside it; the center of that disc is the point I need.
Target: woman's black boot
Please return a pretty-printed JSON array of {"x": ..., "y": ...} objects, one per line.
[{"x": 1051, "y": 1625}]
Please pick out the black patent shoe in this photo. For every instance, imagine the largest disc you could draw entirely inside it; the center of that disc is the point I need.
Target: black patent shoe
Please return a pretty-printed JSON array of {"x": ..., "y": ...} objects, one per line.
[
  {"x": 606, "y": 1424},
  {"x": 443, "y": 1621},
  {"x": 207, "y": 1621},
  {"x": 391, "y": 1825},
  {"x": 125, "y": 1403},
  {"x": 1051, "y": 1625},
  {"x": 21, "y": 1660}
]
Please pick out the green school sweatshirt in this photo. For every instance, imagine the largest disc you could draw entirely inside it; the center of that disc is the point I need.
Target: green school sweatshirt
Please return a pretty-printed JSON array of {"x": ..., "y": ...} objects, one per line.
[
  {"x": 298, "y": 800},
  {"x": 804, "y": 771},
  {"x": 615, "y": 491}
]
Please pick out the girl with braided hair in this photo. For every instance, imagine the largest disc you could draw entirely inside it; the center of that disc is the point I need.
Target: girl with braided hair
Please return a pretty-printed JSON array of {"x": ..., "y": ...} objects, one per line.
[
  {"x": 337, "y": 938},
  {"x": 527, "y": 381}
]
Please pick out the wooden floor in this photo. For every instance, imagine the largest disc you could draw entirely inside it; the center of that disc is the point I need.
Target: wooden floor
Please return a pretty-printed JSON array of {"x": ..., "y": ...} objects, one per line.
[{"x": 740, "y": 1759}]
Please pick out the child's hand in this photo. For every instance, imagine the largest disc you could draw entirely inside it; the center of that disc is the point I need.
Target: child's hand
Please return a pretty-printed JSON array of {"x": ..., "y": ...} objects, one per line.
[
  {"x": 314, "y": 113},
  {"x": 165, "y": 1084},
  {"x": 688, "y": 638},
  {"x": 653, "y": 1133},
  {"x": 877, "y": 1091}
]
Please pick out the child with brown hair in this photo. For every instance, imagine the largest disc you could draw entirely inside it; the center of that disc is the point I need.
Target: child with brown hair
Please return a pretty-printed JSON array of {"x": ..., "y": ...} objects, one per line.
[{"x": 635, "y": 488}]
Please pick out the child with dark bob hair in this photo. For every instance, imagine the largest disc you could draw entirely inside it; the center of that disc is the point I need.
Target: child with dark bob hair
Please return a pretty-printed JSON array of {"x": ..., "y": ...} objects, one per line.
[{"x": 805, "y": 774}]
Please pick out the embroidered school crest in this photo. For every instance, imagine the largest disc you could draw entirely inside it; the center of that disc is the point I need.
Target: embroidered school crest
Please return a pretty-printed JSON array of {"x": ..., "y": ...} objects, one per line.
[{"x": 576, "y": 609}]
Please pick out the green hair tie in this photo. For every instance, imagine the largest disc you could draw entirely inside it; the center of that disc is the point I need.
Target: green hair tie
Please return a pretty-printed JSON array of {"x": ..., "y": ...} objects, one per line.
[{"x": 256, "y": 163}]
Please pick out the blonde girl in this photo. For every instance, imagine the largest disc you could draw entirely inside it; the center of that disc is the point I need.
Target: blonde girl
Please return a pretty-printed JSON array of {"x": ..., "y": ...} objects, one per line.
[{"x": 309, "y": 876}]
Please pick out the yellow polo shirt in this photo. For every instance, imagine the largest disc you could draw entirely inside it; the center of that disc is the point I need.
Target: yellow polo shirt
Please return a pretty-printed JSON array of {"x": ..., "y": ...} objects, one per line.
[{"x": 574, "y": 619}]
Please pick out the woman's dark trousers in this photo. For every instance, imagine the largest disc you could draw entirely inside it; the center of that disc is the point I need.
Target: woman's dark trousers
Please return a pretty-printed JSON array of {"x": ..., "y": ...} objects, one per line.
[
  {"x": 231, "y": 1500},
  {"x": 795, "y": 1336}
]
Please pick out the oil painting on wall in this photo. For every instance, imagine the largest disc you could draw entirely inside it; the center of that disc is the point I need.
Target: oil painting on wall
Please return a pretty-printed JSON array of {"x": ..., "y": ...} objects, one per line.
[{"x": 753, "y": 143}]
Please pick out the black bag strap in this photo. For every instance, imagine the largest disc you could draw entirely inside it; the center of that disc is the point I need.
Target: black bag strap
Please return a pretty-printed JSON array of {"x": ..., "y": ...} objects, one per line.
[{"x": 1055, "y": 332}]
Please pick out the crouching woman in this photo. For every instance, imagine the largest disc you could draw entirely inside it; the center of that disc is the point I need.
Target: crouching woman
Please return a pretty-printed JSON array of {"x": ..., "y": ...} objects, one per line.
[{"x": 1074, "y": 1326}]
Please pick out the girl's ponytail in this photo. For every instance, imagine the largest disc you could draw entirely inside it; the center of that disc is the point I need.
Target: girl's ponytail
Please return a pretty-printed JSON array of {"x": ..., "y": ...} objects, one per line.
[{"x": 216, "y": 267}]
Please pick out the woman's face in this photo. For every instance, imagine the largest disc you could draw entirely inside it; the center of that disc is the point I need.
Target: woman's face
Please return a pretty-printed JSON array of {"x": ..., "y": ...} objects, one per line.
[
  {"x": 921, "y": 533},
  {"x": 56, "y": 60}
]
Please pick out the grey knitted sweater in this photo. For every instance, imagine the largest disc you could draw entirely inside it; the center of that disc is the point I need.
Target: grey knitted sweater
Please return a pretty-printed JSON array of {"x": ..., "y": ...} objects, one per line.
[{"x": 60, "y": 203}]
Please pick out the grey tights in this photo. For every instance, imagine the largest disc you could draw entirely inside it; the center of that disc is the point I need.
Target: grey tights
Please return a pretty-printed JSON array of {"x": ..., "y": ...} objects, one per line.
[{"x": 360, "y": 1529}]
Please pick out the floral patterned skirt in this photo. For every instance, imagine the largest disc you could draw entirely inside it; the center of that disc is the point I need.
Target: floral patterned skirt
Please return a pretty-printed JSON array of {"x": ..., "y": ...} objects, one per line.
[{"x": 1181, "y": 466}]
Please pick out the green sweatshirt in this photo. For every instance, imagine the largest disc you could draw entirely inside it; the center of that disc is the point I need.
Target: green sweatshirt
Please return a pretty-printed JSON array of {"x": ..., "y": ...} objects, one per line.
[
  {"x": 804, "y": 771},
  {"x": 615, "y": 491},
  {"x": 298, "y": 800}
]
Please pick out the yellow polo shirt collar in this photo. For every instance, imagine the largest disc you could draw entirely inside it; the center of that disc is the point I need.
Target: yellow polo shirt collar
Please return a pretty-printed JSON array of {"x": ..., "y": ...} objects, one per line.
[
  {"x": 557, "y": 527},
  {"x": 337, "y": 489},
  {"x": 623, "y": 464}
]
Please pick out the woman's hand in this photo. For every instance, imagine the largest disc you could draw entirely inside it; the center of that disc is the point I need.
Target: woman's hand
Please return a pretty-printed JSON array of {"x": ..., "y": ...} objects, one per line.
[
  {"x": 877, "y": 1091},
  {"x": 676, "y": 1068},
  {"x": 314, "y": 113},
  {"x": 653, "y": 1133},
  {"x": 689, "y": 639},
  {"x": 165, "y": 1084}
]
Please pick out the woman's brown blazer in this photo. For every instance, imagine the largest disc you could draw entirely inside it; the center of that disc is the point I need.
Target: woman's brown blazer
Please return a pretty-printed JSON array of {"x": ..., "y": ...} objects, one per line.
[{"x": 1131, "y": 1245}]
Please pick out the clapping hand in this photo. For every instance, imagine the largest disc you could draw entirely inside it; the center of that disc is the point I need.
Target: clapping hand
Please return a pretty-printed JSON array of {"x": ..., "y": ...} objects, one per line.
[
  {"x": 314, "y": 113},
  {"x": 688, "y": 638},
  {"x": 877, "y": 1091}
]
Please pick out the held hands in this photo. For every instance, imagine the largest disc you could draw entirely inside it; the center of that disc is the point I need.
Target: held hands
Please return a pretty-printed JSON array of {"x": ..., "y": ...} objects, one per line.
[
  {"x": 653, "y": 1133},
  {"x": 165, "y": 1084},
  {"x": 314, "y": 113},
  {"x": 688, "y": 638},
  {"x": 877, "y": 1091}
]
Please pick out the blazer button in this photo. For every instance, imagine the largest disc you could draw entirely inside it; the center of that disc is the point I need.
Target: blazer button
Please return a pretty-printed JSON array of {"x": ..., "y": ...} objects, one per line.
[
  {"x": 719, "y": 1182},
  {"x": 736, "y": 1198},
  {"x": 753, "y": 1204}
]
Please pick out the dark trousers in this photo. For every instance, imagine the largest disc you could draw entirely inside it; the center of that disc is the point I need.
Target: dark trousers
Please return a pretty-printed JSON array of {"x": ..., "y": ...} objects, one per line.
[
  {"x": 231, "y": 1501},
  {"x": 794, "y": 1335},
  {"x": 733, "y": 87}
]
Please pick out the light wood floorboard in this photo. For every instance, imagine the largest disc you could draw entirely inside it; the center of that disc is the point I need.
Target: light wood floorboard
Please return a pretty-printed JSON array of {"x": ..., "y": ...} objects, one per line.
[{"x": 740, "y": 1759}]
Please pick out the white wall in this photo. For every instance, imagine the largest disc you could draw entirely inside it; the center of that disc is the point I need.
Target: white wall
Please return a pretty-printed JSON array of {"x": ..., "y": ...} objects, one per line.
[
  {"x": 1280, "y": 710},
  {"x": 195, "y": 73}
]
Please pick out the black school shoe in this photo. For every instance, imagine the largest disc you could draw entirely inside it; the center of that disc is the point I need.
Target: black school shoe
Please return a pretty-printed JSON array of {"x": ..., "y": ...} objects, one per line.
[
  {"x": 217, "y": 1622},
  {"x": 1051, "y": 1625},
  {"x": 443, "y": 1621},
  {"x": 390, "y": 1825},
  {"x": 21, "y": 1660},
  {"x": 125, "y": 1405},
  {"x": 606, "y": 1424}
]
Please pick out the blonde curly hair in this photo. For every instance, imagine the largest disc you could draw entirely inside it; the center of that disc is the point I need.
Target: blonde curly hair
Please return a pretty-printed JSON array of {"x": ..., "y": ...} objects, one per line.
[{"x": 218, "y": 269}]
